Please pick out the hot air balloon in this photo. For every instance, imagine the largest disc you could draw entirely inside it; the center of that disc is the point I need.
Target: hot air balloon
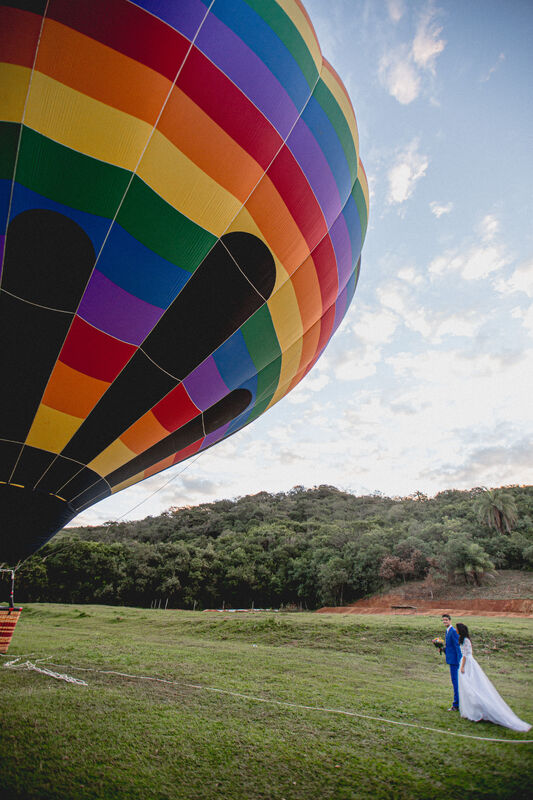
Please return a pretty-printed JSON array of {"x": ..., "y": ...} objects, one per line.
[{"x": 184, "y": 209}]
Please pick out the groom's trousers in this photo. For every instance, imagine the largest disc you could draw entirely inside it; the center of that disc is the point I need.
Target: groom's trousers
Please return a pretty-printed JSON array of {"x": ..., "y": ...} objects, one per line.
[{"x": 454, "y": 675}]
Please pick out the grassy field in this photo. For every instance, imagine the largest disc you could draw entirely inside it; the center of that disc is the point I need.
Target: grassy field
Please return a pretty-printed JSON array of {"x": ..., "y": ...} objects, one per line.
[{"x": 123, "y": 737}]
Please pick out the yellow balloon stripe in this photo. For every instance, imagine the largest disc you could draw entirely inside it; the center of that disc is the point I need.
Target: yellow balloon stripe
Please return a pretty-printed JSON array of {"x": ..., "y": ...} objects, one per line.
[
  {"x": 112, "y": 458},
  {"x": 13, "y": 89},
  {"x": 186, "y": 187},
  {"x": 331, "y": 80},
  {"x": 85, "y": 124},
  {"x": 305, "y": 28},
  {"x": 361, "y": 176},
  {"x": 51, "y": 429}
]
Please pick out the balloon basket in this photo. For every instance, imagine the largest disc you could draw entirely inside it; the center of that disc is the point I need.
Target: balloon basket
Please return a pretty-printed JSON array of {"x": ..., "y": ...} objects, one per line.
[{"x": 8, "y": 620}]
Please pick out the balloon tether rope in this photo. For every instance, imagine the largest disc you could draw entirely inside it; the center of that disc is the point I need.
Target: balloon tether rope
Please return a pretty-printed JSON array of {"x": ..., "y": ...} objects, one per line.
[{"x": 255, "y": 699}]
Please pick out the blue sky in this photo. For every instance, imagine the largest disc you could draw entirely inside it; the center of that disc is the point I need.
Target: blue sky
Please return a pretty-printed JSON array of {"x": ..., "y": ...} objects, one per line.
[{"x": 428, "y": 383}]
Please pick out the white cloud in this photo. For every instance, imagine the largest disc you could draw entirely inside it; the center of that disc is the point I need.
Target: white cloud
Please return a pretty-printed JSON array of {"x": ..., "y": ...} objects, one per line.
[
  {"x": 525, "y": 315},
  {"x": 433, "y": 325},
  {"x": 358, "y": 363},
  {"x": 493, "y": 69},
  {"x": 476, "y": 263},
  {"x": 401, "y": 69},
  {"x": 375, "y": 328},
  {"x": 316, "y": 380},
  {"x": 399, "y": 76},
  {"x": 489, "y": 227},
  {"x": 427, "y": 45},
  {"x": 438, "y": 209},
  {"x": 466, "y": 325},
  {"x": 403, "y": 176},
  {"x": 528, "y": 319},
  {"x": 410, "y": 275},
  {"x": 370, "y": 331},
  {"x": 480, "y": 259},
  {"x": 520, "y": 281},
  {"x": 396, "y": 9},
  {"x": 490, "y": 465}
]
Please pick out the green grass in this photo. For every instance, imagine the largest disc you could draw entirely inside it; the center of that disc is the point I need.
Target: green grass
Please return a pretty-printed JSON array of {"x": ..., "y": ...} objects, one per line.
[{"x": 126, "y": 738}]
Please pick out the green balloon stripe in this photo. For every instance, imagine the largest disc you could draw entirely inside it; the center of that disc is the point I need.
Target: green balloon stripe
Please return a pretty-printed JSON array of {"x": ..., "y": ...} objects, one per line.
[
  {"x": 260, "y": 338},
  {"x": 331, "y": 108},
  {"x": 267, "y": 383},
  {"x": 9, "y": 136},
  {"x": 90, "y": 185},
  {"x": 66, "y": 176},
  {"x": 162, "y": 228},
  {"x": 286, "y": 31},
  {"x": 360, "y": 201}
]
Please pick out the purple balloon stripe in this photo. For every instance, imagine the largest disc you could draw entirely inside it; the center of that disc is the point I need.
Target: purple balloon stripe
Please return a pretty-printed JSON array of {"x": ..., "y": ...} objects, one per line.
[
  {"x": 184, "y": 16},
  {"x": 231, "y": 55},
  {"x": 340, "y": 310},
  {"x": 316, "y": 169},
  {"x": 117, "y": 312},
  {"x": 216, "y": 436},
  {"x": 340, "y": 239},
  {"x": 204, "y": 385}
]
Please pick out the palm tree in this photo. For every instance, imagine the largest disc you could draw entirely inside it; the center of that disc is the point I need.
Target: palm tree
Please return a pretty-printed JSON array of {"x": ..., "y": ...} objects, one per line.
[
  {"x": 476, "y": 563},
  {"x": 497, "y": 509}
]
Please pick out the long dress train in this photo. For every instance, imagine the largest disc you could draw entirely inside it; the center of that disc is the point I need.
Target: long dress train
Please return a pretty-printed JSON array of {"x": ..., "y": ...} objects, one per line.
[{"x": 478, "y": 699}]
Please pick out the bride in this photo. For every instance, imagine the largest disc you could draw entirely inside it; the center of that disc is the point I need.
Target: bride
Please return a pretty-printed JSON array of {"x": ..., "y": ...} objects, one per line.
[{"x": 478, "y": 699}]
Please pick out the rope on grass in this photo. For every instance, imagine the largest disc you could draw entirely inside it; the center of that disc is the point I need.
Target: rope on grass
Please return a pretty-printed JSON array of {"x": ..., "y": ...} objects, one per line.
[
  {"x": 295, "y": 705},
  {"x": 30, "y": 666}
]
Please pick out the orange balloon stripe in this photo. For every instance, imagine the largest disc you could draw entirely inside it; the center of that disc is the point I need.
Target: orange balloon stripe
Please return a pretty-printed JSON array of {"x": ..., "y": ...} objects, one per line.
[
  {"x": 144, "y": 433},
  {"x": 67, "y": 56},
  {"x": 310, "y": 341},
  {"x": 72, "y": 391},
  {"x": 153, "y": 470},
  {"x": 307, "y": 289},
  {"x": 205, "y": 143},
  {"x": 278, "y": 227},
  {"x": 310, "y": 345}
]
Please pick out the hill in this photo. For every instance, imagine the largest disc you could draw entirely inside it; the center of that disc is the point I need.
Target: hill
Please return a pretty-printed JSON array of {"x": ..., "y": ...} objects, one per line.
[{"x": 305, "y": 548}]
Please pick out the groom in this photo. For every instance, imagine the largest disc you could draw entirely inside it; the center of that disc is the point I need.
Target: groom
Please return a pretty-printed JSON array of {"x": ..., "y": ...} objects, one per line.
[{"x": 453, "y": 658}]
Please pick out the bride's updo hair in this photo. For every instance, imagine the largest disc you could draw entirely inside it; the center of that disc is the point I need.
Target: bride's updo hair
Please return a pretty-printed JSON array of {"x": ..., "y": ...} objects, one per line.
[{"x": 462, "y": 630}]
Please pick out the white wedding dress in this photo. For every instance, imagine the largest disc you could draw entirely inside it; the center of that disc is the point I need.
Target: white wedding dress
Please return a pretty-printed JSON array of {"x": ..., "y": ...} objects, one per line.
[{"x": 478, "y": 699}]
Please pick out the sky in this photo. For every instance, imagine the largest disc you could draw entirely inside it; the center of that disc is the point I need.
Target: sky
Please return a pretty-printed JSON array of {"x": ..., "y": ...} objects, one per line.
[{"x": 428, "y": 383}]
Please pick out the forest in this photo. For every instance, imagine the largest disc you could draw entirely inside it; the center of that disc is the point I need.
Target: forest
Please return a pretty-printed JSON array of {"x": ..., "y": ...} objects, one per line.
[{"x": 304, "y": 548}]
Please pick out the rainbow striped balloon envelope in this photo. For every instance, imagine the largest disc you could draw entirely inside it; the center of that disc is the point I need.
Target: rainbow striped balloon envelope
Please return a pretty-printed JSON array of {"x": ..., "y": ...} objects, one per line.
[{"x": 184, "y": 208}]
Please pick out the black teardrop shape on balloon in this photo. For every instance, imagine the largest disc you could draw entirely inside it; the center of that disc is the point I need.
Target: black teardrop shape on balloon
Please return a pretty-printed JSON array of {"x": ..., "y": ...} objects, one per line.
[
  {"x": 231, "y": 284},
  {"x": 31, "y": 338},
  {"x": 212, "y": 305},
  {"x": 48, "y": 259}
]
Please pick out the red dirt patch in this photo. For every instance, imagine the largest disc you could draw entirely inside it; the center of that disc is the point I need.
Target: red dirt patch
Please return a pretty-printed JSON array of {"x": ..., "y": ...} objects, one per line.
[
  {"x": 504, "y": 593},
  {"x": 385, "y": 604}
]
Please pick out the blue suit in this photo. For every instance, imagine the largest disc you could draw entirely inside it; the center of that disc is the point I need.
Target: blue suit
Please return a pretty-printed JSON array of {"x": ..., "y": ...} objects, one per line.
[{"x": 453, "y": 658}]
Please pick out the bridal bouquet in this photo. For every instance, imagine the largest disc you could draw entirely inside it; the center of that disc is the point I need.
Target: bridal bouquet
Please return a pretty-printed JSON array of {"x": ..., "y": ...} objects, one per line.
[{"x": 438, "y": 642}]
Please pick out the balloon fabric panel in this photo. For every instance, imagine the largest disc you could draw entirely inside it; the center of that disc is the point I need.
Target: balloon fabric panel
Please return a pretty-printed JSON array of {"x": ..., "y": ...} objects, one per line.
[{"x": 184, "y": 209}]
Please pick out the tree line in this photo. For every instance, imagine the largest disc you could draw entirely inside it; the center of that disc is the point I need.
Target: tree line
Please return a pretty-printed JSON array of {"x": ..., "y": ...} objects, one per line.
[{"x": 303, "y": 548}]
